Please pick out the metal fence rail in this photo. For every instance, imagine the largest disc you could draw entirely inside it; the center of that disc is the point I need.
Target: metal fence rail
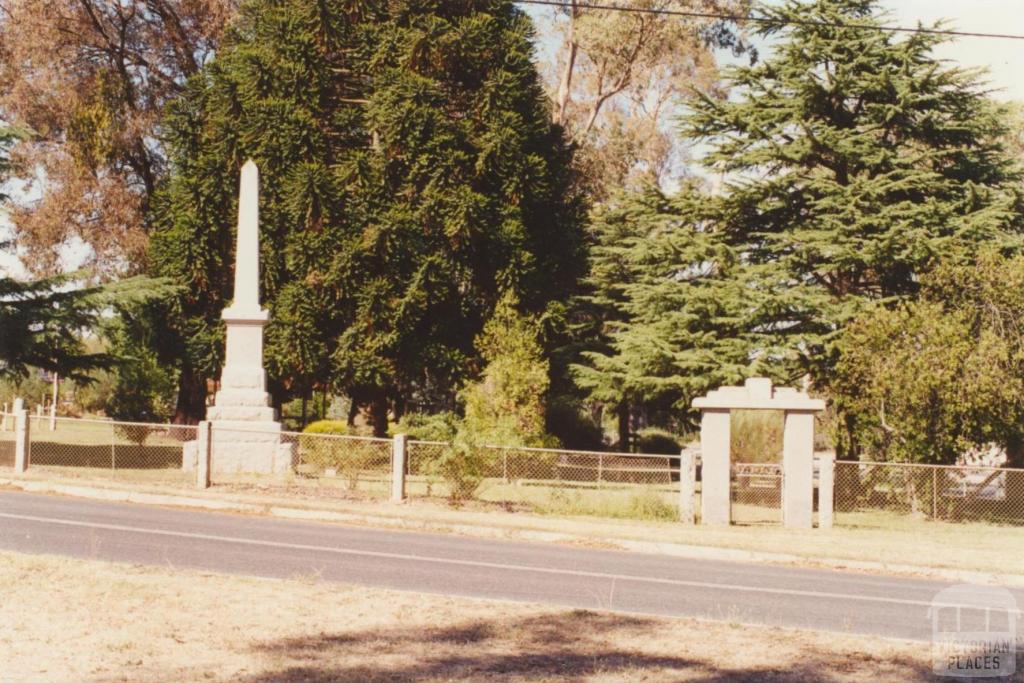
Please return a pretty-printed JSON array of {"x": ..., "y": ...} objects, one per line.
[
  {"x": 109, "y": 449},
  {"x": 939, "y": 492},
  {"x": 554, "y": 480},
  {"x": 358, "y": 463},
  {"x": 343, "y": 464},
  {"x": 530, "y": 479},
  {"x": 756, "y": 493}
]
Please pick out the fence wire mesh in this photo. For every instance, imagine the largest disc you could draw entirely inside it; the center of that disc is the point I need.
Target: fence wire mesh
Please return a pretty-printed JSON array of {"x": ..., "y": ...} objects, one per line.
[
  {"x": 7, "y": 440},
  {"x": 756, "y": 493},
  {"x": 349, "y": 465},
  {"x": 548, "y": 480},
  {"x": 109, "y": 449},
  {"x": 868, "y": 492},
  {"x": 358, "y": 463},
  {"x": 533, "y": 479}
]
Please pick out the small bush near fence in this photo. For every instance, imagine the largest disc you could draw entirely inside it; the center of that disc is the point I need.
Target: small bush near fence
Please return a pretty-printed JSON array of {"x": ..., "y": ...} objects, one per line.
[
  {"x": 325, "y": 450},
  {"x": 547, "y": 481},
  {"x": 463, "y": 467}
]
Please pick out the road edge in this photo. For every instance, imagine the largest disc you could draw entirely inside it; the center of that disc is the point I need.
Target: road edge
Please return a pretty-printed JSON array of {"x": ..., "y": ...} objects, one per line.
[{"x": 693, "y": 552}]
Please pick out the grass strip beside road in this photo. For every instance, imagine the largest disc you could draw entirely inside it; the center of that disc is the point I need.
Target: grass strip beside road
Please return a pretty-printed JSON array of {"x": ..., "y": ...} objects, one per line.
[{"x": 64, "y": 619}]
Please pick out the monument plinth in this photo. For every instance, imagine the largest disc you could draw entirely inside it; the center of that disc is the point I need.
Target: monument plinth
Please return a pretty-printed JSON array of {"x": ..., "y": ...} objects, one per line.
[{"x": 246, "y": 436}]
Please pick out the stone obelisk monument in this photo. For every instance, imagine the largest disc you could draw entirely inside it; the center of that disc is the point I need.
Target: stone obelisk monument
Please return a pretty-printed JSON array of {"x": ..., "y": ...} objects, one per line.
[{"x": 246, "y": 436}]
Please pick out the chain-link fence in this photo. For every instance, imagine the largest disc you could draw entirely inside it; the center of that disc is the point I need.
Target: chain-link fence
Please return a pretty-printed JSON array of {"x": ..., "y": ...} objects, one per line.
[
  {"x": 109, "y": 449},
  {"x": 346, "y": 465},
  {"x": 548, "y": 480},
  {"x": 7, "y": 440},
  {"x": 756, "y": 493},
  {"x": 643, "y": 486},
  {"x": 357, "y": 464},
  {"x": 423, "y": 469},
  {"x": 872, "y": 493}
]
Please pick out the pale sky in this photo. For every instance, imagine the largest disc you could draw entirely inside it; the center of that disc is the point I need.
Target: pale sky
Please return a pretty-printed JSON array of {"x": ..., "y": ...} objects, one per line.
[{"x": 1004, "y": 58}]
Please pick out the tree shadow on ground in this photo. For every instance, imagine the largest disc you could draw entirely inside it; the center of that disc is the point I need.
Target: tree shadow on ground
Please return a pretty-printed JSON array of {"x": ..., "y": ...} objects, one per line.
[{"x": 567, "y": 646}]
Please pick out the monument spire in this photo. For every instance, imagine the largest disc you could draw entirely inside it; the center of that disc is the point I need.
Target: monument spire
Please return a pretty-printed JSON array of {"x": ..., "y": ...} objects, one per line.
[{"x": 247, "y": 249}]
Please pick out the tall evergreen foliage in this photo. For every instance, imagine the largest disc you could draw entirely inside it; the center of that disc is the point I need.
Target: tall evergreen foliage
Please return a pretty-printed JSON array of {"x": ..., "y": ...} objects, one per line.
[
  {"x": 409, "y": 174},
  {"x": 853, "y": 162},
  {"x": 41, "y": 322},
  {"x": 506, "y": 407}
]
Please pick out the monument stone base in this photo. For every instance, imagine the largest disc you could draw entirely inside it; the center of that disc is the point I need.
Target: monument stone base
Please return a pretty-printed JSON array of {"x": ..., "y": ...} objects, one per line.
[{"x": 238, "y": 447}]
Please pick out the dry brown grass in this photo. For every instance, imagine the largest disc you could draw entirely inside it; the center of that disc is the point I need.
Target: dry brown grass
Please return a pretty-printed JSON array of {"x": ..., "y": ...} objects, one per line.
[{"x": 64, "y": 620}]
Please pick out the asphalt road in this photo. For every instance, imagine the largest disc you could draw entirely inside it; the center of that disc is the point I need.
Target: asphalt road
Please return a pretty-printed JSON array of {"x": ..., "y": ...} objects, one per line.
[{"x": 432, "y": 563}]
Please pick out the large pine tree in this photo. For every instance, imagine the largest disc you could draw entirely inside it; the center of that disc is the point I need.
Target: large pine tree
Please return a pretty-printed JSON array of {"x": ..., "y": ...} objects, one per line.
[
  {"x": 409, "y": 174},
  {"x": 853, "y": 162}
]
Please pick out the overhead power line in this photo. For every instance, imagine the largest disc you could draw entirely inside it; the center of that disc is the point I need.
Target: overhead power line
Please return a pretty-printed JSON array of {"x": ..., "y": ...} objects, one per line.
[{"x": 765, "y": 20}]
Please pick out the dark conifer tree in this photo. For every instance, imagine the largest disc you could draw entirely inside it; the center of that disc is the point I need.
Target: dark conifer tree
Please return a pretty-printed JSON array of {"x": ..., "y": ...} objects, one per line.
[
  {"x": 409, "y": 175},
  {"x": 854, "y": 161}
]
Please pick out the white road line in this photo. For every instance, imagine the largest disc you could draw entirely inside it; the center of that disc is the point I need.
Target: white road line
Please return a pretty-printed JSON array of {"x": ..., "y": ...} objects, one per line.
[{"x": 474, "y": 563}]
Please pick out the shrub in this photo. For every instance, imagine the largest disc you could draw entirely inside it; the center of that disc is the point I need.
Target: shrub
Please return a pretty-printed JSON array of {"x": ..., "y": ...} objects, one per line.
[
  {"x": 338, "y": 427},
  {"x": 505, "y": 407},
  {"x": 572, "y": 426},
  {"x": 926, "y": 380},
  {"x": 136, "y": 433},
  {"x": 463, "y": 465},
  {"x": 657, "y": 442},
  {"x": 349, "y": 457},
  {"x": 756, "y": 435},
  {"x": 424, "y": 427}
]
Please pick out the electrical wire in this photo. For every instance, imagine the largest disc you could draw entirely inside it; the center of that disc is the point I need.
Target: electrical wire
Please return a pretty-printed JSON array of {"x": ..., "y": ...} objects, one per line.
[{"x": 765, "y": 20}]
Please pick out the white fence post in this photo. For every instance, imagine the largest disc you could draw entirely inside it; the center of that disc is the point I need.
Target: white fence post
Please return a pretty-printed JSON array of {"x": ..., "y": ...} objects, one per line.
[
  {"x": 826, "y": 489},
  {"x": 398, "y": 457},
  {"x": 687, "y": 486},
  {"x": 21, "y": 436},
  {"x": 203, "y": 454},
  {"x": 53, "y": 402}
]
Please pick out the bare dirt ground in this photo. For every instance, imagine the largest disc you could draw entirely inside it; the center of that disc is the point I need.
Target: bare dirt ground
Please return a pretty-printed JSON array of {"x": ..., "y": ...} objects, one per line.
[{"x": 73, "y": 620}]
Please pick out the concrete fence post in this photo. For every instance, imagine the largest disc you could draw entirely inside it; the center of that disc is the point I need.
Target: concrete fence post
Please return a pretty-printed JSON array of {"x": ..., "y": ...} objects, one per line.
[
  {"x": 687, "y": 486},
  {"x": 399, "y": 450},
  {"x": 203, "y": 451},
  {"x": 826, "y": 490},
  {"x": 798, "y": 469},
  {"x": 21, "y": 437},
  {"x": 716, "y": 474}
]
